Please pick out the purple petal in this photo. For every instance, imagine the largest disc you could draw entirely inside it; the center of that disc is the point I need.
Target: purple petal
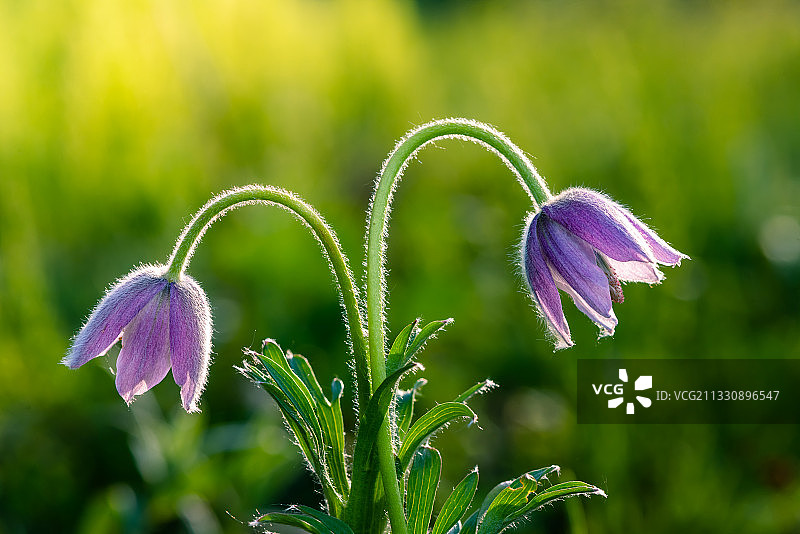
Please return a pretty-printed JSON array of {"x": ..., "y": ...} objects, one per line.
[
  {"x": 114, "y": 311},
  {"x": 607, "y": 323},
  {"x": 543, "y": 288},
  {"x": 599, "y": 221},
  {"x": 662, "y": 251},
  {"x": 143, "y": 361},
  {"x": 575, "y": 271},
  {"x": 189, "y": 339},
  {"x": 636, "y": 271}
]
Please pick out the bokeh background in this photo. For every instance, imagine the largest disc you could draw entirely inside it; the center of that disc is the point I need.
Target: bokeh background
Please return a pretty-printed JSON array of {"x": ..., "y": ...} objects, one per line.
[{"x": 119, "y": 119}]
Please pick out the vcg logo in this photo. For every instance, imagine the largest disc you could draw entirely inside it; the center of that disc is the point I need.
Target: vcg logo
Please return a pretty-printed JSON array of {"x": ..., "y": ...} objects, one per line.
[{"x": 618, "y": 391}]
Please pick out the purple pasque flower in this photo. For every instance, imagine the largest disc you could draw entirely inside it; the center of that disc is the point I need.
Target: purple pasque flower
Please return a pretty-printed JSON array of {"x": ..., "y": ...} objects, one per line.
[
  {"x": 585, "y": 244},
  {"x": 163, "y": 324}
]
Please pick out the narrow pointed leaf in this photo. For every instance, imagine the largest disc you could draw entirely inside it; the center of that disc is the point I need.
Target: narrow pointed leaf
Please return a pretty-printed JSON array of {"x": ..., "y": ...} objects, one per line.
[
  {"x": 304, "y": 439},
  {"x": 515, "y": 499},
  {"x": 253, "y": 373},
  {"x": 271, "y": 350},
  {"x": 509, "y": 496},
  {"x": 300, "y": 366},
  {"x": 360, "y": 506},
  {"x": 337, "y": 430},
  {"x": 562, "y": 491},
  {"x": 290, "y": 414},
  {"x": 422, "y": 483},
  {"x": 397, "y": 352},
  {"x": 470, "y": 524},
  {"x": 298, "y": 395},
  {"x": 304, "y": 522},
  {"x": 376, "y": 413},
  {"x": 456, "y": 504},
  {"x": 536, "y": 475},
  {"x": 435, "y": 419},
  {"x": 331, "y": 423},
  {"x": 425, "y": 333},
  {"x": 404, "y": 407},
  {"x": 336, "y": 526},
  {"x": 303, "y": 415},
  {"x": 507, "y": 505},
  {"x": 543, "y": 472},
  {"x": 478, "y": 389},
  {"x": 337, "y": 390},
  {"x": 487, "y": 501}
]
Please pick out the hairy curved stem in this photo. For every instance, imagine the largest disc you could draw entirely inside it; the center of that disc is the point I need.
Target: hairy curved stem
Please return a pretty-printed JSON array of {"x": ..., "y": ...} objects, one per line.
[
  {"x": 392, "y": 171},
  {"x": 257, "y": 194}
]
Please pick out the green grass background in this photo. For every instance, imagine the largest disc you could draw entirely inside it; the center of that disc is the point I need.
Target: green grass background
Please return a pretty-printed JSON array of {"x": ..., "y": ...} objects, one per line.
[{"x": 119, "y": 119}]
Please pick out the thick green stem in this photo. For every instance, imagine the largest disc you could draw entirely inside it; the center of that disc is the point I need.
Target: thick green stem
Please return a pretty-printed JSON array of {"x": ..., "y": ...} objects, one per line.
[
  {"x": 219, "y": 205},
  {"x": 392, "y": 171}
]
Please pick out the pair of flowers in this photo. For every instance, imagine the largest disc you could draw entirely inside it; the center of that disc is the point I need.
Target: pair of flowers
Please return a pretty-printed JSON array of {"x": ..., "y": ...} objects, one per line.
[{"x": 580, "y": 242}]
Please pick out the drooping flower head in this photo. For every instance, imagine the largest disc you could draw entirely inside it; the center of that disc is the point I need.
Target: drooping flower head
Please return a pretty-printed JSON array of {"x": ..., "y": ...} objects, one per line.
[
  {"x": 585, "y": 244},
  {"x": 163, "y": 324}
]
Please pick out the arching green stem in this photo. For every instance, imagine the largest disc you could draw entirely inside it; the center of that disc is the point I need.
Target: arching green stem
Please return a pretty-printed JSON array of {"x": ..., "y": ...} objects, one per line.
[
  {"x": 392, "y": 171},
  {"x": 222, "y": 203}
]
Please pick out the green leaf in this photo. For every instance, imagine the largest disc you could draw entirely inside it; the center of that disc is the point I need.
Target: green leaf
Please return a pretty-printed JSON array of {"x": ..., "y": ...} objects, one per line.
[
  {"x": 334, "y": 525},
  {"x": 478, "y": 389},
  {"x": 410, "y": 340},
  {"x": 543, "y": 472},
  {"x": 304, "y": 439},
  {"x": 536, "y": 475},
  {"x": 307, "y": 446},
  {"x": 376, "y": 413},
  {"x": 487, "y": 501},
  {"x": 297, "y": 393},
  {"x": 422, "y": 483},
  {"x": 514, "y": 499},
  {"x": 331, "y": 422},
  {"x": 404, "y": 407},
  {"x": 456, "y": 504},
  {"x": 435, "y": 419},
  {"x": 425, "y": 333},
  {"x": 252, "y": 372},
  {"x": 340, "y": 464},
  {"x": 300, "y": 400},
  {"x": 290, "y": 380},
  {"x": 397, "y": 352},
  {"x": 290, "y": 414},
  {"x": 300, "y": 367},
  {"x": 304, "y": 522},
  {"x": 507, "y": 505},
  {"x": 306, "y": 518},
  {"x": 562, "y": 491},
  {"x": 359, "y": 510},
  {"x": 337, "y": 390},
  {"x": 271, "y": 350},
  {"x": 470, "y": 524}
]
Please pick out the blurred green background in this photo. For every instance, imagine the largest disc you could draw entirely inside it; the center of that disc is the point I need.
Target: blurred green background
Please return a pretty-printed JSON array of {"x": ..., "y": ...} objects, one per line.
[{"x": 119, "y": 119}]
